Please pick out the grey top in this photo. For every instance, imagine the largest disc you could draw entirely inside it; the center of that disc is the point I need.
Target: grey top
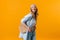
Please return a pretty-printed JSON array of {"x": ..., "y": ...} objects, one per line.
[{"x": 29, "y": 20}]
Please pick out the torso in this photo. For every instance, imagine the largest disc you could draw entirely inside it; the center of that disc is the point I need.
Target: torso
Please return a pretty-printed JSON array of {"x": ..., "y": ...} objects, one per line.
[{"x": 31, "y": 22}]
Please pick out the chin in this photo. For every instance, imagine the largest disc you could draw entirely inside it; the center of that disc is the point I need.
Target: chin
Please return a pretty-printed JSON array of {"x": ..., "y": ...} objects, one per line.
[{"x": 33, "y": 11}]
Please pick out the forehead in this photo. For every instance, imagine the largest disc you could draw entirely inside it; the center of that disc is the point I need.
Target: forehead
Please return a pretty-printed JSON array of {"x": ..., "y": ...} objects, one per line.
[{"x": 33, "y": 6}]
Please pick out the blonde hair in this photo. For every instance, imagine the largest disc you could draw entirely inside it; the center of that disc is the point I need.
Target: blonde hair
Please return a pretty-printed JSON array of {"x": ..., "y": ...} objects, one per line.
[{"x": 36, "y": 10}]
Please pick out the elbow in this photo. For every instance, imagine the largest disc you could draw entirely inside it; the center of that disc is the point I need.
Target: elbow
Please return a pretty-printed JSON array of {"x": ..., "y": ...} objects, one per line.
[{"x": 22, "y": 22}]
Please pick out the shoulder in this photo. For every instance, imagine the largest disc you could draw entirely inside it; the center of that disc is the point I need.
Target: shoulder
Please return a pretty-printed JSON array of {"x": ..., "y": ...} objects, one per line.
[{"x": 28, "y": 15}]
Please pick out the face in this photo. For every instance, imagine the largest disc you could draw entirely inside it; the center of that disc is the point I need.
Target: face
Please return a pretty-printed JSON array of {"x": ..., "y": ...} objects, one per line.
[{"x": 33, "y": 8}]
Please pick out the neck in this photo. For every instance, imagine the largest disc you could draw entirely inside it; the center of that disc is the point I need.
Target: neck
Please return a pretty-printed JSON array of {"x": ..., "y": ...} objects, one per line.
[{"x": 33, "y": 15}]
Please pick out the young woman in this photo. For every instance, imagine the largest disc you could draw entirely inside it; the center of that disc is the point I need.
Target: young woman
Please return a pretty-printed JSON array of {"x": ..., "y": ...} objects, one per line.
[{"x": 28, "y": 24}]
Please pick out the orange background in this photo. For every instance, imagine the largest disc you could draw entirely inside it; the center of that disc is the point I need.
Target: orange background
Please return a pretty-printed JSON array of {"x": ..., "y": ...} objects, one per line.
[{"x": 48, "y": 23}]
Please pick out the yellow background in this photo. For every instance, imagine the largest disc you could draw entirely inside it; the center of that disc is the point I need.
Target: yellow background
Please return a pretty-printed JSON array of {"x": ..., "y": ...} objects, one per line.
[{"x": 48, "y": 23}]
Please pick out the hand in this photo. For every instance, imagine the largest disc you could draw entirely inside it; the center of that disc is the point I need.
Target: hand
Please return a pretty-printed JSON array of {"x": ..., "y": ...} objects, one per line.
[{"x": 29, "y": 29}]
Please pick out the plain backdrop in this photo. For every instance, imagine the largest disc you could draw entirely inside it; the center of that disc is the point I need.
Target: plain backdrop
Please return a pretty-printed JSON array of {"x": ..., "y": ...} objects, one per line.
[{"x": 48, "y": 21}]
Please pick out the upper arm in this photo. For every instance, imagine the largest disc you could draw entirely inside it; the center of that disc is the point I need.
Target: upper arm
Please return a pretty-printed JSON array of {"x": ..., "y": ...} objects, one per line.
[{"x": 25, "y": 18}]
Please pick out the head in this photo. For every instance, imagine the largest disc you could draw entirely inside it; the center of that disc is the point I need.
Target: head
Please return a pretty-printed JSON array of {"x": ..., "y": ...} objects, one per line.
[{"x": 34, "y": 10}]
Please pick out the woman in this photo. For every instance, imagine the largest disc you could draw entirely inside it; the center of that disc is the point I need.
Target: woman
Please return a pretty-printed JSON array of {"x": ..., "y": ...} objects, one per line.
[{"x": 28, "y": 24}]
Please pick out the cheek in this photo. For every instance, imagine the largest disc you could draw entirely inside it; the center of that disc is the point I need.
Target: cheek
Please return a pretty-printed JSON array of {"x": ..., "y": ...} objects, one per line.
[{"x": 33, "y": 10}]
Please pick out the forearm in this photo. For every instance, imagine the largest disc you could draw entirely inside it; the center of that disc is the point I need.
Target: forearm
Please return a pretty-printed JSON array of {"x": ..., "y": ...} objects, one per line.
[{"x": 24, "y": 25}]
